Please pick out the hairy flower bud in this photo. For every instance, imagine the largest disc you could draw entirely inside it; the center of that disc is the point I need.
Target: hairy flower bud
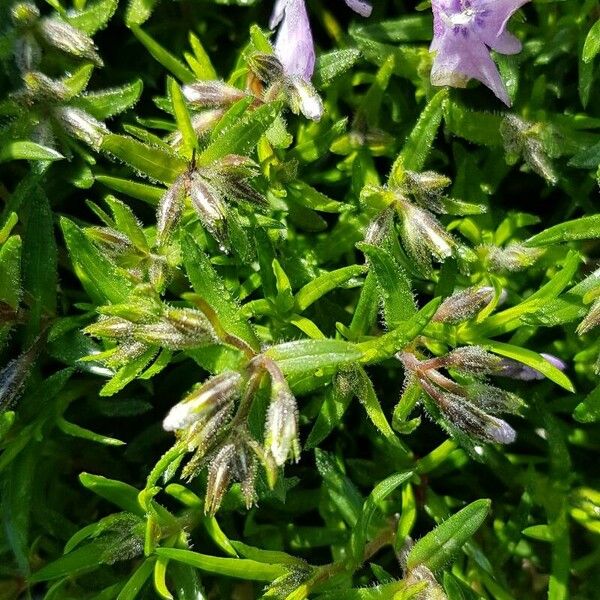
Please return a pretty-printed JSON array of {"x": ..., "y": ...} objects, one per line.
[
  {"x": 81, "y": 125},
  {"x": 379, "y": 228},
  {"x": 169, "y": 210},
  {"x": 423, "y": 235},
  {"x": 24, "y": 14},
  {"x": 591, "y": 320},
  {"x": 473, "y": 360},
  {"x": 110, "y": 327},
  {"x": 27, "y": 52},
  {"x": 204, "y": 402},
  {"x": 67, "y": 38},
  {"x": 267, "y": 67},
  {"x": 516, "y": 370},
  {"x": 40, "y": 87},
  {"x": 281, "y": 433},
  {"x": 190, "y": 322},
  {"x": 219, "y": 476},
  {"x": 209, "y": 205},
  {"x": 212, "y": 93},
  {"x": 164, "y": 333},
  {"x": 304, "y": 98},
  {"x": 464, "y": 305},
  {"x": 514, "y": 257},
  {"x": 492, "y": 399},
  {"x": 473, "y": 420}
]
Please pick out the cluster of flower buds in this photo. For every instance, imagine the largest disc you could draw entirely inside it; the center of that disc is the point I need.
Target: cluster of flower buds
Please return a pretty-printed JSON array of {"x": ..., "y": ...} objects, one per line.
[
  {"x": 524, "y": 139},
  {"x": 465, "y": 304},
  {"x": 208, "y": 188},
  {"x": 46, "y": 99},
  {"x": 415, "y": 198},
  {"x": 145, "y": 322},
  {"x": 211, "y": 422},
  {"x": 470, "y": 407}
]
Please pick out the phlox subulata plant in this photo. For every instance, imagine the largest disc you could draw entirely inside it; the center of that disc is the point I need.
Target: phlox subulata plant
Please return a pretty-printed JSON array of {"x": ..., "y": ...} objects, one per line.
[{"x": 299, "y": 299}]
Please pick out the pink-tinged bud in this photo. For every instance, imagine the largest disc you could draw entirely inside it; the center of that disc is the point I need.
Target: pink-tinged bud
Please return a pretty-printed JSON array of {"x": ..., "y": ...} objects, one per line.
[
  {"x": 169, "y": 210},
  {"x": 244, "y": 471},
  {"x": 241, "y": 191},
  {"x": 426, "y": 188},
  {"x": 219, "y": 477},
  {"x": 212, "y": 93},
  {"x": 591, "y": 320},
  {"x": 281, "y": 433},
  {"x": 81, "y": 125},
  {"x": 464, "y": 305},
  {"x": 67, "y": 38},
  {"x": 204, "y": 402},
  {"x": 474, "y": 421},
  {"x": 516, "y": 370}
]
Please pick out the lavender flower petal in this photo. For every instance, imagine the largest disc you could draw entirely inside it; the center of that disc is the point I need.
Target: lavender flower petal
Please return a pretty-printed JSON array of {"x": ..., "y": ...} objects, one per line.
[{"x": 464, "y": 32}]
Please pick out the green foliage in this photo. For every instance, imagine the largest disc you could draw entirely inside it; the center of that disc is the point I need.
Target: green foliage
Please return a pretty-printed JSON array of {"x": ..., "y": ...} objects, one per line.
[{"x": 225, "y": 315}]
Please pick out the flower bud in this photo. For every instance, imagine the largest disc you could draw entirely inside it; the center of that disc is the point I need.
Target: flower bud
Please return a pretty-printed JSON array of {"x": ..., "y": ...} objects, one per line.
[
  {"x": 82, "y": 125},
  {"x": 209, "y": 205},
  {"x": 591, "y": 320},
  {"x": 423, "y": 235},
  {"x": 190, "y": 322},
  {"x": 24, "y": 14},
  {"x": 267, "y": 67},
  {"x": 212, "y": 93},
  {"x": 125, "y": 353},
  {"x": 514, "y": 257},
  {"x": 472, "y": 360},
  {"x": 219, "y": 476},
  {"x": 28, "y": 53},
  {"x": 464, "y": 305},
  {"x": 40, "y": 87},
  {"x": 516, "y": 370},
  {"x": 111, "y": 240},
  {"x": 379, "y": 229},
  {"x": 67, "y": 38},
  {"x": 169, "y": 210},
  {"x": 493, "y": 400},
  {"x": 110, "y": 327},
  {"x": 164, "y": 333},
  {"x": 281, "y": 433},
  {"x": 240, "y": 190},
  {"x": 474, "y": 421},
  {"x": 204, "y": 402},
  {"x": 304, "y": 98}
]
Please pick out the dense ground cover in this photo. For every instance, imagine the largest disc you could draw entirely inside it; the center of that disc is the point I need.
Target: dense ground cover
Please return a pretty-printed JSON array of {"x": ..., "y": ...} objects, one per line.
[{"x": 286, "y": 323}]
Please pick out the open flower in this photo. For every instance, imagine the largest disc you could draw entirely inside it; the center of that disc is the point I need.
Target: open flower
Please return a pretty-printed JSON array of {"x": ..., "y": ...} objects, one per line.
[
  {"x": 464, "y": 31},
  {"x": 294, "y": 45}
]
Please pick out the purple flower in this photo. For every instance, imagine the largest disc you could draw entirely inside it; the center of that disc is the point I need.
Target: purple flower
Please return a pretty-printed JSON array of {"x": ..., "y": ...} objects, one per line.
[
  {"x": 464, "y": 31},
  {"x": 294, "y": 44}
]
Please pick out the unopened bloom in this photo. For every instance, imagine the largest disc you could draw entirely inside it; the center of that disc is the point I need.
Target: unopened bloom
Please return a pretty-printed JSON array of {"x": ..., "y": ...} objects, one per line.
[
  {"x": 464, "y": 31},
  {"x": 294, "y": 45}
]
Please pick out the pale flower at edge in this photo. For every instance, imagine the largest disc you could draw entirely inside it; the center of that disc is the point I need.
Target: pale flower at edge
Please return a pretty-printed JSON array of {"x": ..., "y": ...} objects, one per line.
[
  {"x": 294, "y": 44},
  {"x": 464, "y": 31}
]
